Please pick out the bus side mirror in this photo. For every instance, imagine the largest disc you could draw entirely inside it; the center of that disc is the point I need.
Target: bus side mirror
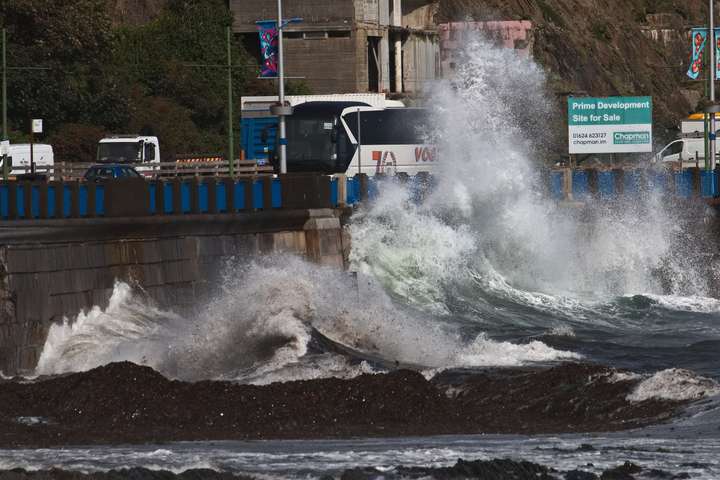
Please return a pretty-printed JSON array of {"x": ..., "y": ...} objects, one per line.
[{"x": 264, "y": 135}]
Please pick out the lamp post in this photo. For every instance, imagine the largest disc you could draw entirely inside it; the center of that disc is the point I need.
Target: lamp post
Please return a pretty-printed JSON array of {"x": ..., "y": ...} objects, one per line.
[
  {"x": 713, "y": 63},
  {"x": 281, "y": 92}
]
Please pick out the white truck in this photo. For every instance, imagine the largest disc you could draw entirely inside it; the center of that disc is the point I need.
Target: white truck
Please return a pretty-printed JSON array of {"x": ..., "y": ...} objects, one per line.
[{"x": 142, "y": 152}]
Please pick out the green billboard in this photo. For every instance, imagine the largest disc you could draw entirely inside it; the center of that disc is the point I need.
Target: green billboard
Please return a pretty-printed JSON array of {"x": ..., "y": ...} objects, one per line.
[{"x": 609, "y": 124}]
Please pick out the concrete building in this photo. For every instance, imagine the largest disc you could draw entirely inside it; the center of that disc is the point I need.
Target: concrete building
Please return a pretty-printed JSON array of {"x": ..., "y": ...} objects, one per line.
[{"x": 345, "y": 46}]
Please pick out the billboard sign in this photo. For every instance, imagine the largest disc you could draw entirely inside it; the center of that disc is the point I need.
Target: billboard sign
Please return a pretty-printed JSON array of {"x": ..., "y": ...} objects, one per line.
[{"x": 609, "y": 125}]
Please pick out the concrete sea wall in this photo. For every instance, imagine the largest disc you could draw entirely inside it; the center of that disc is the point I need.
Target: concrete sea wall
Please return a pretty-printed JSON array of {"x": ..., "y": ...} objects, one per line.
[{"x": 53, "y": 269}]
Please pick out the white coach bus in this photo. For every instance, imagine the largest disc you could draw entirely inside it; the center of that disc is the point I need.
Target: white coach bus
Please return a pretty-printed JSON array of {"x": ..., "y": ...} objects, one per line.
[{"x": 353, "y": 137}]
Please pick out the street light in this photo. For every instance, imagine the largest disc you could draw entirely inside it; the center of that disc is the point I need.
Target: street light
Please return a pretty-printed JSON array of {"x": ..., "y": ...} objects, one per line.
[
  {"x": 712, "y": 110},
  {"x": 713, "y": 62},
  {"x": 282, "y": 141}
]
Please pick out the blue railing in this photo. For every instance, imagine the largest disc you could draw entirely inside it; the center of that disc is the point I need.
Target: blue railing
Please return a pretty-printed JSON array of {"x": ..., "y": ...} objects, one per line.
[
  {"x": 60, "y": 200},
  {"x": 611, "y": 184},
  {"x": 20, "y": 200}
]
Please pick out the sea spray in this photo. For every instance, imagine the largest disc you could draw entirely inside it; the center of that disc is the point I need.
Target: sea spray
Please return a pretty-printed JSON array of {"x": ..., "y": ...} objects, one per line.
[
  {"x": 474, "y": 276},
  {"x": 260, "y": 330}
]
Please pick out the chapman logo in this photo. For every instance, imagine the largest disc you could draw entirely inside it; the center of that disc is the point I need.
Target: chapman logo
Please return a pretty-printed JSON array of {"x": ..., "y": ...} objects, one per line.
[{"x": 631, "y": 138}]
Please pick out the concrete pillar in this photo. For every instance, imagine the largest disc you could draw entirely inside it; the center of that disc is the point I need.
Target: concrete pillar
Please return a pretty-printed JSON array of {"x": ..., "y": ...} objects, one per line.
[
  {"x": 397, "y": 22},
  {"x": 384, "y": 54}
]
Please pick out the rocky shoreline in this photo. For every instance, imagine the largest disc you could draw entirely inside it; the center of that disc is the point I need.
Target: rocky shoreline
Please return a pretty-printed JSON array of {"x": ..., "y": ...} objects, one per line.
[
  {"x": 481, "y": 469},
  {"x": 127, "y": 403}
]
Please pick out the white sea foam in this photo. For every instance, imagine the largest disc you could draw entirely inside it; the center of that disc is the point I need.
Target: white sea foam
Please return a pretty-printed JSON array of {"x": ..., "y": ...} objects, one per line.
[
  {"x": 263, "y": 334},
  {"x": 674, "y": 384},
  {"x": 687, "y": 304},
  {"x": 617, "y": 377}
]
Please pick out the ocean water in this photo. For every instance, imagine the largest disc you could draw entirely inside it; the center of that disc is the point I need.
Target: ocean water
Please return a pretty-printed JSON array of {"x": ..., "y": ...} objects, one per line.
[{"x": 485, "y": 272}]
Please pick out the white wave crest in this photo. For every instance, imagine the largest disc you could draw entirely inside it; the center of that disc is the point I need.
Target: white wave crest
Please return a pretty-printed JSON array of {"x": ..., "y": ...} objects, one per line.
[
  {"x": 258, "y": 329},
  {"x": 484, "y": 352},
  {"x": 674, "y": 384}
]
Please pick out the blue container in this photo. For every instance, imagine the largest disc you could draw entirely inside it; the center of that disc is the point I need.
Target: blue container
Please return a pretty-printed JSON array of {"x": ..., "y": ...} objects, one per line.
[
  {"x": 257, "y": 195},
  {"x": 580, "y": 185},
  {"x": 100, "y": 200},
  {"x": 20, "y": 201},
  {"x": 35, "y": 201},
  {"x": 239, "y": 197},
  {"x": 153, "y": 201},
  {"x": 373, "y": 188},
  {"x": 276, "y": 191},
  {"x": 67, "y": 201},
  {"x": 708, "y": 184},
  {"x": 556, "y": 185},
  {"x": 185, "y": 204},
  {"x": 168, "y": 198},
  {"x": 50, "y": 202},
  {"x": 203, "y": 199},
  {"x": 353, "y": 190},
  {"x": 251, "y": 132},
  {"x": 334, "y": 192},
  {"x": 606, "y": 185},
  {"x": 658, "y": 182},
  {"x": 221, "y": 197},
  {"x": 683, "y": 184},
  {"x": 631, "y": 182},
  {"x": 83, "y": 200}
]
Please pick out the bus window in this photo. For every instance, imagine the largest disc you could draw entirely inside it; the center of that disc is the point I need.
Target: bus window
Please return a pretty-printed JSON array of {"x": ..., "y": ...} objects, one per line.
[{"x": 401, "y": 126}]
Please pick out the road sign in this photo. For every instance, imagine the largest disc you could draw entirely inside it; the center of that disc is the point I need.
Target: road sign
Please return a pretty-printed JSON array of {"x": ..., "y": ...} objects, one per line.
[
  {"x": 609, "y": 125},
  {"x": 37, "y": 125}
]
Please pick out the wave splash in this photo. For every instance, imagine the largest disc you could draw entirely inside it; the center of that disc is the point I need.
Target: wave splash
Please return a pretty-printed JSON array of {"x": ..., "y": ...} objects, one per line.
[
  {"x": 487, "y": 234},
  {"x": 450, "y": 281},
  {"x": 261, "y": 328}
]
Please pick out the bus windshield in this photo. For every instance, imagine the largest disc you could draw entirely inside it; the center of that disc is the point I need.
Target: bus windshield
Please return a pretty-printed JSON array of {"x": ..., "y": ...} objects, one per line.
[
  {"x": 119, "y": 152},
  {"x": 312, "y": 143}
]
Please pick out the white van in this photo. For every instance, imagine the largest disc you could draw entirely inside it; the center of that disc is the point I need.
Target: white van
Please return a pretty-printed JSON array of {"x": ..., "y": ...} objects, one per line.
[
  {"x": 689, "y": 151},
  {"x": 19, "y": 154}
]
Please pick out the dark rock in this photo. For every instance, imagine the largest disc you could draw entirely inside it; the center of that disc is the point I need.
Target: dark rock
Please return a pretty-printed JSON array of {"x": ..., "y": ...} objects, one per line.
[
  {"x": 625, "y": 471},
  {"x": 362, "y": 474},
  {"x": 127, "y": 403},
  {"x": 124, "y": 474},
  {"x": 580, "y": 475},
  {"x": 485, "y": 469}
]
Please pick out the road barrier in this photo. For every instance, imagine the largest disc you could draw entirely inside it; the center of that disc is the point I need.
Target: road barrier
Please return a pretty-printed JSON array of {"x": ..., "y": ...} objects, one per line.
[
  {"x": 137, "y": 197},
  {"x": 591, "y": 184}
]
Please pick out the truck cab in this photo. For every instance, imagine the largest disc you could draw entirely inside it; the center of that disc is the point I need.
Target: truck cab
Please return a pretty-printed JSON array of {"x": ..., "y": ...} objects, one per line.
[{"x": 142, "y": 152}]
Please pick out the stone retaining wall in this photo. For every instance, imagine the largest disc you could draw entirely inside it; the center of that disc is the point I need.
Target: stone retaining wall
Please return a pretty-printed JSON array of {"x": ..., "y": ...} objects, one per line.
[{"x": 55, "y": 269}]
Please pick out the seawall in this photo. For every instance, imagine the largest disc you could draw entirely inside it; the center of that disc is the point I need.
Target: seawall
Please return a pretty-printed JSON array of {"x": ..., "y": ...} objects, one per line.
[{"x": 51, "y": 269}]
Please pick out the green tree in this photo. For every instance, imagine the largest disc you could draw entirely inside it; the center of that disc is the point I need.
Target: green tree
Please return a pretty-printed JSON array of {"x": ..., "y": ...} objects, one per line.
[
  {"x": 174, "y": 57},
  {"x": 75, "y": 43}
]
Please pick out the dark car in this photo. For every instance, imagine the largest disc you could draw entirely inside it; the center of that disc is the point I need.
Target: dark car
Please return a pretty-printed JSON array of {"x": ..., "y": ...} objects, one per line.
[{"x": 110, "y": 172}]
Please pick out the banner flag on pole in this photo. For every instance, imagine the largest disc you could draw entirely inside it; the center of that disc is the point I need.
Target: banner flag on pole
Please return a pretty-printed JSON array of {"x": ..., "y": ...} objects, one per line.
[
  {"x": 717, "y": 52},
  {"x": 699, "y": 39},
  {"x": 268, "y": 48}
]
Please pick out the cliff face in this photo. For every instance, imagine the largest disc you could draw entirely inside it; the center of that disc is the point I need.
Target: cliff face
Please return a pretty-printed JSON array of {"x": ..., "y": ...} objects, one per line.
[
  {"x": 607, "y": 47},
  {"x": 134, "y": 12}
]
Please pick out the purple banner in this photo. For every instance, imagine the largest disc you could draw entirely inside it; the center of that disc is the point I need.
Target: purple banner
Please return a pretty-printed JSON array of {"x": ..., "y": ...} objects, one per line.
[
  {"x": 268, "y": 48},
  {"x": 699, "y": 39},
  {"x": 717, "y": 53}
]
